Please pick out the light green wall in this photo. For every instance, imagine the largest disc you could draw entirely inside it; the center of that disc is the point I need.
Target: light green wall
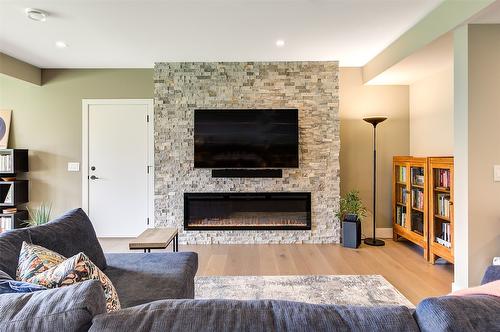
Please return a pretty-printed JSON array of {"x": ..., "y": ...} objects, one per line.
[{"x": 47, "y": 120}]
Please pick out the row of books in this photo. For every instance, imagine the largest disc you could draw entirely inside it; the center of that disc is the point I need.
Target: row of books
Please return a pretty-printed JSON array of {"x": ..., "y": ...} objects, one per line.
[
  {"x": 417, "y": 176},
  {"x": 402, "y": 195},
  {"x": 401, "y": 216},
  {"x": 417, "y": 199},
  {"x": 6, "y": 163},
  {"x": 443, "y": 178},
  {"x": 443, "y": 205},
  {"x": 6, "y": 224},
  {"x": 445, "y": 237},
  {"x": 402, "y": 174}
]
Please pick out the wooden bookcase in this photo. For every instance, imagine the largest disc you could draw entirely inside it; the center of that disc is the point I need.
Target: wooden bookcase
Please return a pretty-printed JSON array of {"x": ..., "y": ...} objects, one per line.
[
  {"x": 441, "y": 217},
  {"x": 409, "y": 200},
  {"x": 14, "y": 192}
]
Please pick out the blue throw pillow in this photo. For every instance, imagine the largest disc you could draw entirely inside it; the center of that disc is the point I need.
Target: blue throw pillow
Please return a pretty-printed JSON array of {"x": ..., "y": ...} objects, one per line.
[{"x": 13, "y": 286}]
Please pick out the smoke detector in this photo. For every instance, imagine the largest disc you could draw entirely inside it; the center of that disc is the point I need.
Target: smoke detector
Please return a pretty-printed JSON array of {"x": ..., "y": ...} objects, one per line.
[{"x": 36, "y": 14}]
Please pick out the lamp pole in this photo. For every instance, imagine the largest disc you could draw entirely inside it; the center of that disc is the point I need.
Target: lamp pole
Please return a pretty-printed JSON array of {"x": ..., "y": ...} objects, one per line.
[{"x": 375, "y": 120}]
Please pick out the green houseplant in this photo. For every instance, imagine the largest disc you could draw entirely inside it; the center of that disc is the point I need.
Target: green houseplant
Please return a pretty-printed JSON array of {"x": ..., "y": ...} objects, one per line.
[
  {"x": 40, "y": 215},
  {"x": 351, "y": 203}
]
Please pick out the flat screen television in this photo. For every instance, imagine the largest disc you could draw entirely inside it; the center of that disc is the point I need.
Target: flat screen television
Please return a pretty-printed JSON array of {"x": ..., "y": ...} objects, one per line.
[{"x": 257, "y": 138}]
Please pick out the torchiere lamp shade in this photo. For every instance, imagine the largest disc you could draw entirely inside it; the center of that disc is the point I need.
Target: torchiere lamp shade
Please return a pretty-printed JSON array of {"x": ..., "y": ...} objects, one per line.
[{"x": 375, "y": 120}]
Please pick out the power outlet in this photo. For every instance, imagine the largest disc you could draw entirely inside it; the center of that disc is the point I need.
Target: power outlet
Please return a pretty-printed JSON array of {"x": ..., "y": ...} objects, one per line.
[
  {"x": 73, "y": 167},
  {"x": 496, "y": 173}
]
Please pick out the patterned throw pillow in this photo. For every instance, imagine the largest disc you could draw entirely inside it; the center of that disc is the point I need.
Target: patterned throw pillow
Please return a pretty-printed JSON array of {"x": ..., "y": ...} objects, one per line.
[
  {"x": 75, "y": 269},
  {"x": 34, "y": 259}
]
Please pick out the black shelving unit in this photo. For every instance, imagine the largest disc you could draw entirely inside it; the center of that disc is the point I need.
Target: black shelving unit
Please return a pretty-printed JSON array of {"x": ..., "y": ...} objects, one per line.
[{"x": 13, "y": 192}]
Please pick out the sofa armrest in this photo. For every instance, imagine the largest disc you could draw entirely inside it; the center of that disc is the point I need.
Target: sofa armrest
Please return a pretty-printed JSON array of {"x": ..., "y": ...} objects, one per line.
[
  {"x": 492, "y": 274},
  {"x": 459, "y": 313},
  {"x": 69, "y": 308}
]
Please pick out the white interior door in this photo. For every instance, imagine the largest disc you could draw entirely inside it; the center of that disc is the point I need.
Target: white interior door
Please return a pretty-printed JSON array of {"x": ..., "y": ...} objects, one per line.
[{"x": 117, "y": 166}]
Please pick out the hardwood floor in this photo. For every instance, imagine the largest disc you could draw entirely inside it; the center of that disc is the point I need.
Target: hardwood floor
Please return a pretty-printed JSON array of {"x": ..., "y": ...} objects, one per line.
[{"x": 401, "y": 263}]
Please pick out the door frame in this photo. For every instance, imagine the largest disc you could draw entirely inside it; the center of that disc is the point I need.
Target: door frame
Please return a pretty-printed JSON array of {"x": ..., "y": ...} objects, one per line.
[{"x": 86, "y": 103}]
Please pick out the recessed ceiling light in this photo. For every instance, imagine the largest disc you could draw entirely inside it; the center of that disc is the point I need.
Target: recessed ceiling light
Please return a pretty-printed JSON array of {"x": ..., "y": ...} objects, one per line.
[
  {"x": 280, "y": 43},
  {"x": 61, "y": 44},
  {"x": 36, "y": 14}
]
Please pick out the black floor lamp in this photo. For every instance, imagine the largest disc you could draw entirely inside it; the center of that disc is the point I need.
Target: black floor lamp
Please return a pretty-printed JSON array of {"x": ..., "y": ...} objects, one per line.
[{"x": 374, "y": 120}]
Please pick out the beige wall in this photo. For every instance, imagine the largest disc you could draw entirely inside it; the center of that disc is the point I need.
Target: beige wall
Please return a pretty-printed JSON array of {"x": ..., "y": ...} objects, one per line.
[
  {"x": 356, "y": 102},
  {"x": 484, "y": 147},
  {"x": 476, "y": 112},
  {"x": 431, "y": 115},
  {"x": 47, "y": 120}
]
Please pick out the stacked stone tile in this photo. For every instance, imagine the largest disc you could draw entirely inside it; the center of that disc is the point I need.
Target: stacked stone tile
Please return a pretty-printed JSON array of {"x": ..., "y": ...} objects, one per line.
[{"x": 311, "y": 87}]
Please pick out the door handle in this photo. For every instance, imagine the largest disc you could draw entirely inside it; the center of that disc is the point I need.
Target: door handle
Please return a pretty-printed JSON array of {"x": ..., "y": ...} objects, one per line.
[{"x": 93, "y": 177}]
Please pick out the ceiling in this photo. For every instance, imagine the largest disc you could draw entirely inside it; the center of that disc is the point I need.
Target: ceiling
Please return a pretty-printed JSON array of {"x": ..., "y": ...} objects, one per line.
[{"x": 135, "y": 34}]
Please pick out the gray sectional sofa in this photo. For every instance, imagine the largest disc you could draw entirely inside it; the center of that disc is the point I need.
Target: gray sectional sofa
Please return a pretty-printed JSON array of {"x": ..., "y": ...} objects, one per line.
[
  {"x": 156, "y": 291},
  {"x": 138, "y": 277}
]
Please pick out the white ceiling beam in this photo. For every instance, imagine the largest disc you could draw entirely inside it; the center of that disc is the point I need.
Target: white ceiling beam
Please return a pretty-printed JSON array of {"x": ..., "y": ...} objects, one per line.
[{"x": 446, "y": 17}]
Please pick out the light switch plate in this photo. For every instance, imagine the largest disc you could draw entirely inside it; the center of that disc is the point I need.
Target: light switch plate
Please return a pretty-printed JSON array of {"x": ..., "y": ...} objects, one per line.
[
  {"x": 73, "y": 167},
  {"x": 496, "y": 261},
  {"x": 496, "y": 173}
]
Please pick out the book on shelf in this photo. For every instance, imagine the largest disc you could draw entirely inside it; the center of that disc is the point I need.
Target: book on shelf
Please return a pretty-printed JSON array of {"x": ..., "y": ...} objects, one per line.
[
  {"x": 417, "y": 176},
  {"x": 417, "y": 199},
  {"x": 8, "y": 197},
  {"x": 9, "y": 210},
  {"x": 444, "y": 238},
  {"x": 6, "y": 224},
  {"x": 402, "y": 195},
  {"x": 6, "y": 163},
  {"x": 443, "y": 205},
  {"x": 401, "y": 216},
  {"x": 402, "y": 174},
  {"x": 443, "y": 179}
]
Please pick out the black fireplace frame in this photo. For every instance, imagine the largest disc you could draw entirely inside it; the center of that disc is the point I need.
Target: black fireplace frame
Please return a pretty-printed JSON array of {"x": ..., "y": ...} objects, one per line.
[{"x": 248, "y": 195}]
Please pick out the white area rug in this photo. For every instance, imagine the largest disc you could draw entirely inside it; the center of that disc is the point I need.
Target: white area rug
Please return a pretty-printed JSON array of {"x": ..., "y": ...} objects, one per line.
[{"x": 367, "y": 290}]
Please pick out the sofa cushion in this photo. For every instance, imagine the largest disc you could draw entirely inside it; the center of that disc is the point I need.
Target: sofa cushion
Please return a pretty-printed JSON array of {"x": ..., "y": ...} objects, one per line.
[
  {"x": 76, "y": 269},
  {"x": 141, "y": 278},
  {"x": 265, "y": 315},
  {"x": 492, "y": 274},
  {"x": 69, "y": 235},
  {"x": 35, "y": 259},
  {"x": 10, "y": 247},
  {"x": 459, "y": 313},
  {"x": 62, "y": 309}
]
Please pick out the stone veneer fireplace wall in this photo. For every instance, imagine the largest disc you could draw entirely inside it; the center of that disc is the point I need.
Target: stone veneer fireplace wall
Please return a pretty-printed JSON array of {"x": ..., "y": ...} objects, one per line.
[{"x": 311, "y": 87}]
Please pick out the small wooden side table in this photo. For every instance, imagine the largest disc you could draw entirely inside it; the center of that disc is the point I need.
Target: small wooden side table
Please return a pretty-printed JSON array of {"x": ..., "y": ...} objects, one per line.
[{"x": 156, "y": 238}]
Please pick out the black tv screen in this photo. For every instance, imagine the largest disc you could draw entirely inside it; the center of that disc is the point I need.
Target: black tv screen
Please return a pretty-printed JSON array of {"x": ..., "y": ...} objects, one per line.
[{"x": 246, "y": 138}]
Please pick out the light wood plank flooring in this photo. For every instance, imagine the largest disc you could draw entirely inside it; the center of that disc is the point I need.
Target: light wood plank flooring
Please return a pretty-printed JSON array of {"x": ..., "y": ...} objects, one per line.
[{"x": 400, "y": 263}]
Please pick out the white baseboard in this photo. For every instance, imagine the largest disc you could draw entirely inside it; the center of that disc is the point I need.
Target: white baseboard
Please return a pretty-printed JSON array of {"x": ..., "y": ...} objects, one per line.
[{"x": 384, "y": 233}]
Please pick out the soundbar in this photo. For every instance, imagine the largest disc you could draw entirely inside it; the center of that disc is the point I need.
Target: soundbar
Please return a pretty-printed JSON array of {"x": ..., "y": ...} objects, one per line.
[{"x": 247, "y": 173}]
